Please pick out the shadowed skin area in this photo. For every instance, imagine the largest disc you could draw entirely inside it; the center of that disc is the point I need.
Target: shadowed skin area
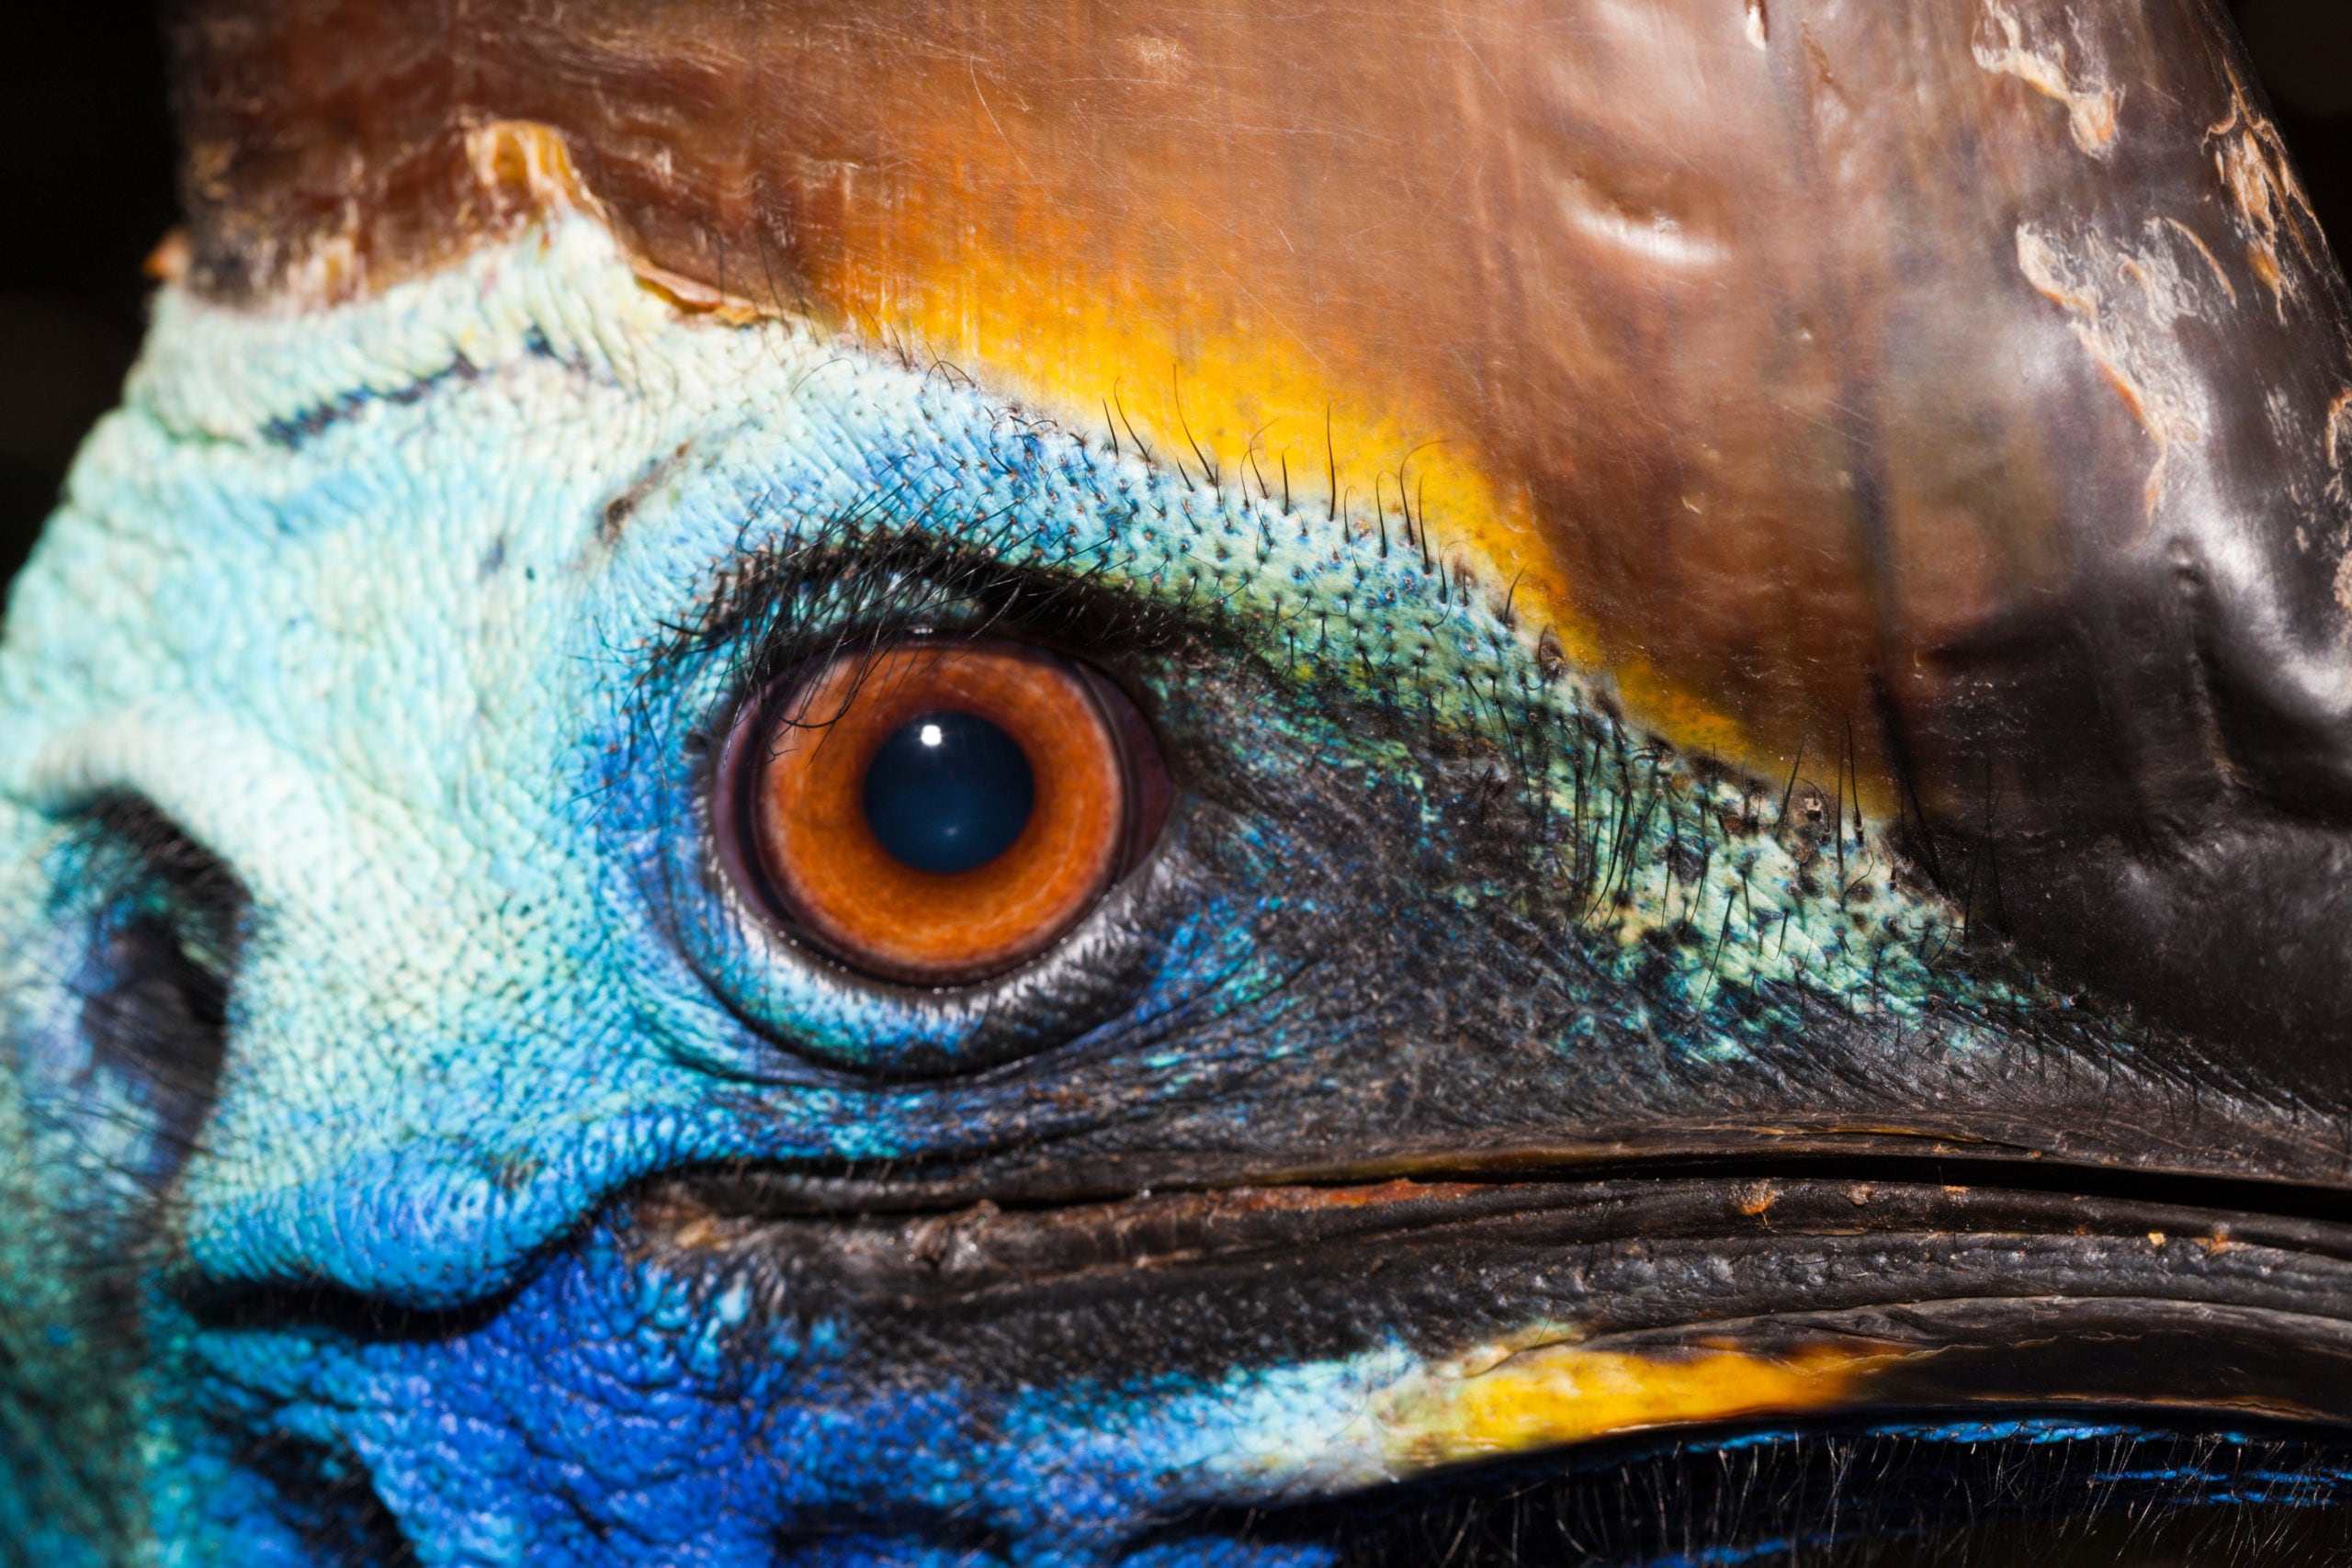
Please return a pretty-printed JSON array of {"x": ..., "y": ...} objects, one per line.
[{"x": 423, "y": 616}]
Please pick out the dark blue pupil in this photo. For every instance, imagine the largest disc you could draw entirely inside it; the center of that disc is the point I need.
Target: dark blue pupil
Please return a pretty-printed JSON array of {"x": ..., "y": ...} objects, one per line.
[{"x": 948, "y": 791}]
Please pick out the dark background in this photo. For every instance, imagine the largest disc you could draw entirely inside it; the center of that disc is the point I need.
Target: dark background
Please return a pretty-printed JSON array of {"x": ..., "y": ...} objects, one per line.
[{"x": 86, "y": 192}]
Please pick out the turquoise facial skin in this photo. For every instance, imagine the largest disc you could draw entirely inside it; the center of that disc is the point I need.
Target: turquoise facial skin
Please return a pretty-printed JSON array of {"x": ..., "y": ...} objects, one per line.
[{"x": 420, "y": 614}]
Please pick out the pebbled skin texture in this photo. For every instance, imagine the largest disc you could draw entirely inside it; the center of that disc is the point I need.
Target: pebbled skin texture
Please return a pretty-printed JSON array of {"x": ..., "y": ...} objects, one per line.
[{"x": 419, "y": 616}]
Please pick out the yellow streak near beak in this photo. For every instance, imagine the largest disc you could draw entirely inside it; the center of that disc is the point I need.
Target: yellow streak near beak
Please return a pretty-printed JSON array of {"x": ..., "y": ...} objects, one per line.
[{"x": 1564, "y": 1393}]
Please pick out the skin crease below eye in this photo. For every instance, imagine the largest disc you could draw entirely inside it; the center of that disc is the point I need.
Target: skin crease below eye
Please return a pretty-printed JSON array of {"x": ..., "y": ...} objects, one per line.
[{"x": 465, "y": 1023}]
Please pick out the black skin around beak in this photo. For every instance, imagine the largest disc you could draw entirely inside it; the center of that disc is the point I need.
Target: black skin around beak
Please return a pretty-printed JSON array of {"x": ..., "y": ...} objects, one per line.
[{"x": 1944, "y": 1295}]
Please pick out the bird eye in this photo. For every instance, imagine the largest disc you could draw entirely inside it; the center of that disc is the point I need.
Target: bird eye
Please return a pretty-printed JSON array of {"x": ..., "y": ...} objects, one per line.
[{"x": 937, "y": 811}]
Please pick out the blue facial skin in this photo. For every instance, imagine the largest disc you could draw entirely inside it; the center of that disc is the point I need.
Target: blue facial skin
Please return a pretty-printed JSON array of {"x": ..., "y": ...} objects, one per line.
[{"x": 426, "y": 619}]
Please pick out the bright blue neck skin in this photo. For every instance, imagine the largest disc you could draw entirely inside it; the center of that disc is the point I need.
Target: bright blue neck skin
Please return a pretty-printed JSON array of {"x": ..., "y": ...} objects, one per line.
[{"x": 382, "y": 606}]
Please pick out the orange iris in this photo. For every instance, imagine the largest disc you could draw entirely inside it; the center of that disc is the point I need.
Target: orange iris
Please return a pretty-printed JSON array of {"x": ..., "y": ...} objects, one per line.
[{"x": 857, "y": 773}]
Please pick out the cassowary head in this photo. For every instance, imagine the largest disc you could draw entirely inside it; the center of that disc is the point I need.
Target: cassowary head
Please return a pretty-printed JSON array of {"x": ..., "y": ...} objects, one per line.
[{"x": 1256, "y": 786}]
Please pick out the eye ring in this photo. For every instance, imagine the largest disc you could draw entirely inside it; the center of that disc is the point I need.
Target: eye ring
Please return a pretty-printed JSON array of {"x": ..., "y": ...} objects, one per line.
[{"x": 875, "y": 801}]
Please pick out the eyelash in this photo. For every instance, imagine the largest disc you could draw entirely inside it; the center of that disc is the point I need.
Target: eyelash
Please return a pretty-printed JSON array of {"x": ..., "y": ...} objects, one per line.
[{"x": 775, "y": 607}]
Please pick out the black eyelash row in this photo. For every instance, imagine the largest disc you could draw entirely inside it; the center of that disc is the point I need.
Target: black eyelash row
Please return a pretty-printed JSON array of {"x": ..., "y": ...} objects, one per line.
[{"x": 772, "y": 607}]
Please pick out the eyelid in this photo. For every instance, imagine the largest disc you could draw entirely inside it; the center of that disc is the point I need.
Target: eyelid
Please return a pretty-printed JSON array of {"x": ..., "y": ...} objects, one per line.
[{"x": 769, "y": 610}]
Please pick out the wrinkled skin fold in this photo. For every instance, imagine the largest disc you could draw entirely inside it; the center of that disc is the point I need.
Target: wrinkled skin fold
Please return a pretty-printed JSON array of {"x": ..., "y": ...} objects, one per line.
[{"x": 1810, "y": 1031}]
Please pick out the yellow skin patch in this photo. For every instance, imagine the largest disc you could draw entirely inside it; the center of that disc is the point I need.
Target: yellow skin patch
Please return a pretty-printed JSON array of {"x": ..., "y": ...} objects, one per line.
[
  {"x": 1553, "y": 1394},
  {"x": 1216, "y": 387},
  {"x": 1186, "y": 360}
]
